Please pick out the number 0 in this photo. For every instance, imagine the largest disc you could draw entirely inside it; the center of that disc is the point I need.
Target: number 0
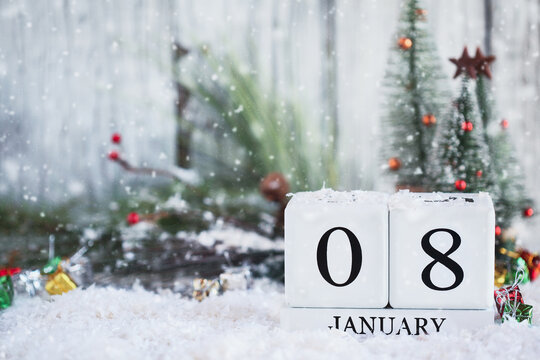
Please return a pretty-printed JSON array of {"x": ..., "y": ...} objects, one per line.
[{"x": 322, "y": 256}]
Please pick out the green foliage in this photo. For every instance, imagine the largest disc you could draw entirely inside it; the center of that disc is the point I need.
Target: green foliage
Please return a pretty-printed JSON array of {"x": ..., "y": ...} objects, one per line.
[
  {"x": 268, "y": 134},
  {"x": 22, "y": 218},
  {"x": 461, "y": 154},
  {"x": 415, "y": 87},
  {"x": 509, "y": 199},
  {"x": 508, "y": 190}
]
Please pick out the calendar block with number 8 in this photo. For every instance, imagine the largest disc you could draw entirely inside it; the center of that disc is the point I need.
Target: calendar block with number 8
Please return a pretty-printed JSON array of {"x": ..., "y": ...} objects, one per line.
[{"x": 441, "y": 250}]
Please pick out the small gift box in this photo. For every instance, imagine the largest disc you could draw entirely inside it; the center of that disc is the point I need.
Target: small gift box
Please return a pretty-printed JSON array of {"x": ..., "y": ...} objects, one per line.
[
  {"x": 6, "y": 291},
  {"x": 203, "y": 288},
  {"x": 51, "y": 266},
  {"x": 519, "y": 311},
  {"x": 30, "y": 282},
  {"x": 509, "y": 294},
  {"x": 59, "y": 283}
]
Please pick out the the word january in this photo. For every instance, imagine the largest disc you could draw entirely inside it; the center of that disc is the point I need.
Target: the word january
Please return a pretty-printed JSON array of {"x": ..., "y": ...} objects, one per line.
[{"x": 388, "y": 325}]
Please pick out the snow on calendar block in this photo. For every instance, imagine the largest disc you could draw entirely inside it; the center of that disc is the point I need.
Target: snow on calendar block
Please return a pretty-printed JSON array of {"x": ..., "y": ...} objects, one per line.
[
  {"x": 441, "y": 250},
  {"x": 336, "y": 249}
]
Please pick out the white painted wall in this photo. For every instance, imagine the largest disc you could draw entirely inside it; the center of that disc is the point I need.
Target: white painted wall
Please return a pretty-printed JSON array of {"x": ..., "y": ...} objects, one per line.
[{"x": 72, "y": 72}]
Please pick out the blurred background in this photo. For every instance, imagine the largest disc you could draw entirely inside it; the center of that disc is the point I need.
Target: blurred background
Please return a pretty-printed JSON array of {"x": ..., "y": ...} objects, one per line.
[{"x": 209, "y": 97}]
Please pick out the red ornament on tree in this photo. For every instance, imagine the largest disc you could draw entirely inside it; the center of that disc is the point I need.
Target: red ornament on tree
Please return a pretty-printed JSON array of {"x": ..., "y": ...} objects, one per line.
[
  {"x": 405, "y": 43},
  {"x": 466, "y": 126},
  {"x": 479, "y": 174},
  {"x": 504, "y": 124},
  {"x": 132, "y": 218},
  {"x": 460, "y": 185},
  {"x": 498, "y": 230},
  {"x": 394, "y": 163},
  {"x": 429, "y": 119},
  {"x": 113, "y": 155},
  {"x": 421, "y": 14},
  {"x": 116, "y": 138},
  {"x": 528, "y": 212}
]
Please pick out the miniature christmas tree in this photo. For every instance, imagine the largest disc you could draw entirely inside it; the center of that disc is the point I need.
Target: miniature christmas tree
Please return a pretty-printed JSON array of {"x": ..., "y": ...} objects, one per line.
[
  {"x": 508, "y": 190},
  {"x": 463, "y": 155},
  {"x": 414, "y": 99}
]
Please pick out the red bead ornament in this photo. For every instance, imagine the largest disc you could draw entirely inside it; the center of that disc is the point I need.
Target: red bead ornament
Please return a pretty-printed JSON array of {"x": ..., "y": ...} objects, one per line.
[
  {"x": 528, "y": 212},
  {"x": 460, "y": 185},
  {"x": 394, "y": 163},
  {"x": 132, "y": 218},
  {"x": 479, "y": 174},
  {"x": 498, "y": 230},
  {"x": 466, "y": 126},
  {"x": 405, "y": 43},
  {"x": 429, "y": 119},
  {"x": 116, "y": 138},
  {"x": 504, "y": 124},
  {"x": 113, "y": 155}
]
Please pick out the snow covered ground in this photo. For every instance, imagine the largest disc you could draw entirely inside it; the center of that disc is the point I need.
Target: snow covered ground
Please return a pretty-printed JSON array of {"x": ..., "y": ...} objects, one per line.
[{"x": 108, "y": 323}]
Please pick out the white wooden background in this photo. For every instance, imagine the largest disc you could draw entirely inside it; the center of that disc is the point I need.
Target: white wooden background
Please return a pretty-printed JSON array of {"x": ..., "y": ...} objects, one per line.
[{"x": 71, "y": 72}]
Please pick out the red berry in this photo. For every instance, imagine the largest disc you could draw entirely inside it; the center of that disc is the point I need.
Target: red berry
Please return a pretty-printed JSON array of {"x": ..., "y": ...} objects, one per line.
[
  {"x": 466, "y": 126},
  {"x": 132, "y": 218},
  {"x": 460, "y": 185},
  {"x": 113, "y": 155},
  {"x": 528, "y": 212},
  {"x": 498, "y": 230},
  {"x": 479, "y": 173},
  {"x": 116, "y": 138},
  {"x": 504, "y": 123}
]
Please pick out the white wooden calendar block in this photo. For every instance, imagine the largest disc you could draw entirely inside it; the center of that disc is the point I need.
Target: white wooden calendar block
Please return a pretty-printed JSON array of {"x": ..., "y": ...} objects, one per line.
[
  {"x": 441, "y": 250},
  {"x": 336, "y": 249},
  {"x": 408, "y": 322}
]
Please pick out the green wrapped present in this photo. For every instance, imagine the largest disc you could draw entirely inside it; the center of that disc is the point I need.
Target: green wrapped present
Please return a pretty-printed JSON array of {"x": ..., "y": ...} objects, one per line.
[
  {"x": 520, "y": 312},
  {"x": 6, "y": 292},
  {"x": 51, "y": 266}
]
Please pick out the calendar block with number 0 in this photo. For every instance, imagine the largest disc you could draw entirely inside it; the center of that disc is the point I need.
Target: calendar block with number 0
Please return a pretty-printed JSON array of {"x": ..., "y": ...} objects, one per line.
[
  {"x": 336, "y": 249},
  {"x": 411, "y": 263}
]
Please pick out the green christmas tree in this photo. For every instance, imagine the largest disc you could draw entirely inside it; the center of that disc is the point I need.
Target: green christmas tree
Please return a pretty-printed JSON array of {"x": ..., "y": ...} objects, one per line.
[
  {"x": 463, "y": 161},
  {"x": 508, "y": 191},
  {"x": 415, "y": 99}
]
